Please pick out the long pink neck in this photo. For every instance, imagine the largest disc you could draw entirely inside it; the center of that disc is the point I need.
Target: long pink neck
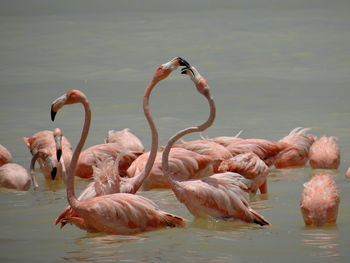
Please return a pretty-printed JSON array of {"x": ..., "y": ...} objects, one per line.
[
  {"x": 178, "y": 135},
  {"x": 72, "y": 200},
  {"x": 137, "y": 181}
]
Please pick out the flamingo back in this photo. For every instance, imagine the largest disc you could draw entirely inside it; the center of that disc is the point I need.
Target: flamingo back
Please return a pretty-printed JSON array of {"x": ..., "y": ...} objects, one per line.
[
  {"x": 325, "y": 153},
  {"x": 319, "y": 200}
]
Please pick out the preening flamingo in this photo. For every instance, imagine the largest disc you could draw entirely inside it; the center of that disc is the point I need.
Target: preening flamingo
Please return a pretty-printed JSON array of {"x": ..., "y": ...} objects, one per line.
[
  {"x": 250, "y": 166},
  {"x": 319, "y": 200},
  {"x": 220, "y": 195},
  {"x": 209, "y": 148},
  {"x": 119, "y": 213},
  {"x": 324, "y": 153},
  {"x": 52, "y": 143},
  {"x": 265, "y": 149},
  {"x": 107, "y": 179},
  {"x": 12, "y": 175},
  {"x": 184, "y": 165},
  {"x": 299, "y": 154},
  {"x": 103, "y": 151},
  {"x": 126, "y": 140}
]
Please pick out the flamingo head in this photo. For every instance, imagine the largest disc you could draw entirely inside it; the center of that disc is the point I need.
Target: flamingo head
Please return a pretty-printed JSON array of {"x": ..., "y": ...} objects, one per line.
[
  {"x": 200, "y": 82},
  {"x": 47, "y": 159},
  {"x": 70, "y": 97},
  {"x": 57, "y": 135},
  {"x": 164, "y": 70}
]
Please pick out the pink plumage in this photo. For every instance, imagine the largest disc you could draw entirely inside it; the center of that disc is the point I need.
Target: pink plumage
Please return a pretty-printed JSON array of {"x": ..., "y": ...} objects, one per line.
[
  {"x": 319, "y": 200},
  {"x": 324, "y": 153},
  {"x": 298, "y": 155},
  {"x": 250, "y": 166}
]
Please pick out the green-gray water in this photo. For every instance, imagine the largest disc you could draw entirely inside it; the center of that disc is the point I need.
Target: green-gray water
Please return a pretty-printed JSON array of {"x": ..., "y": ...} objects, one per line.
[{"x": 272, "y": 66}]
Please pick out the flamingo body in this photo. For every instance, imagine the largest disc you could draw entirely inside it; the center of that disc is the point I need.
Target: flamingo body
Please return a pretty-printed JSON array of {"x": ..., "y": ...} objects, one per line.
[
  {"x": 266, "y": 150},
  {"x": 250, "y": 166},
  {"x": 125, "y": 139},
  {"x": 183, "y": 163},
  {"x": 89, "y": 157},
  {"x": 324, "y": 153},
  {"x": 219, "y": 196},
  {"x": 299, "y": 154},
  {"x": 14, "y": 176},
  {"x": 209, "y": 148},
  {"x": 319, "y": 200}
]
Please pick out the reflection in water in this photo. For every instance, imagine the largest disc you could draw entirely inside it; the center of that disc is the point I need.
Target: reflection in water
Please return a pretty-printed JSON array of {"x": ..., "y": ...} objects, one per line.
[
  {"x": 101, "y": 248},
  {"x": 326, "y": 242}
]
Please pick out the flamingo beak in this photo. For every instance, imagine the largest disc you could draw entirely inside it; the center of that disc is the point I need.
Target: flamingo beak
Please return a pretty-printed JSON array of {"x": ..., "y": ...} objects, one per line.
[
  {"x": 48, "y": 160},
  {"x": 57, "y": 104},
  {"x": 59, "y": 154},
  {"x": 53, "y": 114},
  {"x": 53, "y": 173},
  {"x": 58, "y": 142},
  {"x": 183, "y": 62}
]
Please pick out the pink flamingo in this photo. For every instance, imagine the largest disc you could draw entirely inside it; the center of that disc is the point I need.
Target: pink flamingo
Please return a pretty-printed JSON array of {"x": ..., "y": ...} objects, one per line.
[
  {"x": 208, "y": 148},
  {"x": 12, "y": 175},
  {"x": 324, "y": 153},
  {"x": 118, "y": 213},
  {"x": 88, "y": 158},
  {"x": 183, "y": 163},
  {"x": 125, "y": 139},
  {"x": 319, "y": 200},
  {"x": 52, "y": 143},
  {"x": 250, "y": 166},
  {"x": 299, "y": 154},
  {"x": 107, "y": 179},
  {"x": 5, "y": 156},
  {"x": 265, "y": 149},
  {"x": 220, "y": 195}
]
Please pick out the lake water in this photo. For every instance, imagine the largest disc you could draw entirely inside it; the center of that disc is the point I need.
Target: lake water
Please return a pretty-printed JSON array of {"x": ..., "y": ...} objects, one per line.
[{"x": 272, "y": 66}]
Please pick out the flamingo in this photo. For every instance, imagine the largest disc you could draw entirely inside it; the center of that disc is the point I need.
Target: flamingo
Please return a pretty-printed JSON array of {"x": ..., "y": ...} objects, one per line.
[
  {"x": 319, "y": 200},
  {"x": 107, "y": 178},
  {"x": 298, "y": 155},
  {"x": 125, "y": 139},
  {"x": 220, "y": 195},
  {"x": 184, "y": 164},
  {"x": 53, "y": 143},
  {"x": 12, "y": 175},
  {"x": 324, "y": 153},
  {"x": 103, "y": 151},
  {"x": 250, "y": 166},
  {"x": 119, "y": 213},
  {"x": 5, "y": 156},
  {"x": 209, "y": 148},
  {"x": 265, "y": 149}
]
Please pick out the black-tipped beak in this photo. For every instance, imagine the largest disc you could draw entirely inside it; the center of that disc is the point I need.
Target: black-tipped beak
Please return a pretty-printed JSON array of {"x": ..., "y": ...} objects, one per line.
[
  {"x": 53, "y": 173},
  {"x": 183, "y": 62},
  {"x": 58, "y": 154},
  {"x": 185, "y": 70},
  {"x": 53, "y": 114}
]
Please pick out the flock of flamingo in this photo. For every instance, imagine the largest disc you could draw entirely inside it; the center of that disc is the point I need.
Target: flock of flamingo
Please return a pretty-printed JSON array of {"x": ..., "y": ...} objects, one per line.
[{"x": 212, "y": 177}]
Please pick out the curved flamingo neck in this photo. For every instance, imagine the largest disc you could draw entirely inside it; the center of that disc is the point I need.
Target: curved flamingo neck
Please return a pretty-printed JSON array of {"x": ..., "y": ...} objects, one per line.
[
  {"x": 154, "y": 146},
  {"x": 178, "y": 135},
  {"x": 72, "y": 200}
]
